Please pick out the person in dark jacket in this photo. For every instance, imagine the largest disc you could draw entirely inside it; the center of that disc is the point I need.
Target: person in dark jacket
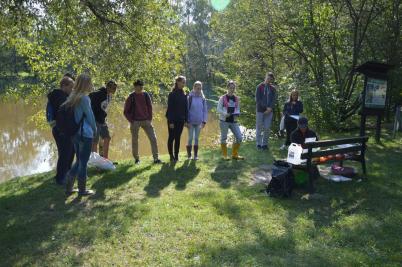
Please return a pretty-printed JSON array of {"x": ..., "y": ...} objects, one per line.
[
  {"x": 100, "y": 101},
  {"x": 177, "y": 116},
  {"x": 265, "y": 97},
  {"x": 293, "y": 107},
  {"x": 302, "y": 132},
  {"x": 65, "y": 147},
  {"x": 138, "y": 111}
]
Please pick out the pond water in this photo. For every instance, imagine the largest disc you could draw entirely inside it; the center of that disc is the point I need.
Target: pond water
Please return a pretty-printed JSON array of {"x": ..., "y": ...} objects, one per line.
[{"x": 28, "y": 149}]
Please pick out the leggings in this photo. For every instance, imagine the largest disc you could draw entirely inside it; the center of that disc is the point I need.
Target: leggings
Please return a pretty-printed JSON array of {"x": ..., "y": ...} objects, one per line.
[{"x": 174, "y": 136}]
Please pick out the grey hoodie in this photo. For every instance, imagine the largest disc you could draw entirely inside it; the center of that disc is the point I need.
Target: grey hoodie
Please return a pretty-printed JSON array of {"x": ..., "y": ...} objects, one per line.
[{"x": 265, "y": 97}]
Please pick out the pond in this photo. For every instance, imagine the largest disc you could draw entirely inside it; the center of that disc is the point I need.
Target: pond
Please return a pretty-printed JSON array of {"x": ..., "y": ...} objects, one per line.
[{"x": 28, "y": 149}]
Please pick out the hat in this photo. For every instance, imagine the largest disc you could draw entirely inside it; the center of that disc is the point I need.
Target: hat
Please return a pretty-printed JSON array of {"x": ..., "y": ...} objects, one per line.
[
  {"x": 302, "y": 122},
  {"x": 138, "y": 83}
]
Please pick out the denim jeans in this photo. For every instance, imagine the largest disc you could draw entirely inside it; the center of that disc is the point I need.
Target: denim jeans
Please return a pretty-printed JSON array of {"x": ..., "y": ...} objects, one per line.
[
  {"x": 234, "y": 127},
  {"x": 82, "y": 146},
  {"x": 263, "y": 126},
  {"x": 193, "y": 133}
]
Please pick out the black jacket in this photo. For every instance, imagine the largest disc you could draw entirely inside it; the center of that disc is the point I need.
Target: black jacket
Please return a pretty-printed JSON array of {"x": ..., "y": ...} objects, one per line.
[
  {"x": 97, "y": 98},
  {"x": 298, "y": 137},
  {"x": 177, "y": 110},
  {"x": 56, "y": 98}
]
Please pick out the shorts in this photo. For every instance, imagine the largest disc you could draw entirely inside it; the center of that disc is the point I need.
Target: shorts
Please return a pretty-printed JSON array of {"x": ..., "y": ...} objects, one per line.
[{"x": 102, "y": 130}]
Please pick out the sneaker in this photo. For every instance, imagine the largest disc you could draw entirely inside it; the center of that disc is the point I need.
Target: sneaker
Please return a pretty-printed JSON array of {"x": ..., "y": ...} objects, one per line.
[
  {"x": 283, "y": 147},
  {"x": 195, "y": 158},
  {"x": 258, "y": 147},
  {"x": 157, "y": 161},
  {"x": 264, "y": 147},
  {"x": 137, "y": 161},
  {"x": 69, "y": 193},
  {"x": 87, "y": 192}
]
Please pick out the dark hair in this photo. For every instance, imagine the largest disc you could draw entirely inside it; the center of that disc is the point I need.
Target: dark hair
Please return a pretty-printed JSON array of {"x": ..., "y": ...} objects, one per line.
[
  {"x": 290, "y": 95},
  {"x": 177, "y": 79},
  {"x": 138, "y": 83},
  {"x": 69, "y": 75},
  {"x": 66, "y": 81},
  {"x": 269, "y": 74},
  {"x": 111, "y": 83}
]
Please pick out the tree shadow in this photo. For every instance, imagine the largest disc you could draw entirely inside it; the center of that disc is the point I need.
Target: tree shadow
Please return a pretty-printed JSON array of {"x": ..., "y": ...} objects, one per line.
[
  {"x": 170, "y": 174},
  {"x": 38, "y": 222},
  {"x": 227, "y": 172},
  {"x": 113, "y": 179}
]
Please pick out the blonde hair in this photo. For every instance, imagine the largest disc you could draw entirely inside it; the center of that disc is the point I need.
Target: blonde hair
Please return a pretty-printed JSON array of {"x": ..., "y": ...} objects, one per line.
[
  {"x": 200, "y": 84},
  {"x": 82, "y": 86}
]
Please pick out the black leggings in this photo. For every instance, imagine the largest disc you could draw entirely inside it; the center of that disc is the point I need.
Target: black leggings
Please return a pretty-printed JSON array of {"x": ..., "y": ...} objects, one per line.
[
  {"x": 174, "y": 135},
  {"x": 290, "y": 126}
]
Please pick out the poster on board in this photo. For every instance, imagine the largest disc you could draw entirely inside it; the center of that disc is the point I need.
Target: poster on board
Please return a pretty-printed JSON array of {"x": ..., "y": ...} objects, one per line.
[{"x": 376, "y": 92}]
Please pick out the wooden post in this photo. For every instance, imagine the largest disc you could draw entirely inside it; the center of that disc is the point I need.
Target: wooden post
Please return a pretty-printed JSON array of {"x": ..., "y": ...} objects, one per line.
[{"x": 378, "y": 129}]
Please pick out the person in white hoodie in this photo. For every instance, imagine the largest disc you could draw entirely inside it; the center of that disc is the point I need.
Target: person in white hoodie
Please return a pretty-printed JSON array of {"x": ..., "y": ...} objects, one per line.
[
  {"x": 197, "y": 117},
  {"x": 229, "y": 110}
]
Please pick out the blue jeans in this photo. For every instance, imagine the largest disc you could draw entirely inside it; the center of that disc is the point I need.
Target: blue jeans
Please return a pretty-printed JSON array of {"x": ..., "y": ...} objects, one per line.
[
  {"x": 234, "y": 127},
  {"x": 83, "y": 147},
  {"x": 193, "y": 132},
  {"x": 263, "y": 126}
]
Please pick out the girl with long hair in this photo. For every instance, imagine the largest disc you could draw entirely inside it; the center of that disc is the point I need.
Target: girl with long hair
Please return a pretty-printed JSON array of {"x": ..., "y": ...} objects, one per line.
[
  {"x": 292, "y": 108},
  {"x": 177, "y": 116},
  {"x": 197, "y": 117},
  {"x": 80, "y": 103}
]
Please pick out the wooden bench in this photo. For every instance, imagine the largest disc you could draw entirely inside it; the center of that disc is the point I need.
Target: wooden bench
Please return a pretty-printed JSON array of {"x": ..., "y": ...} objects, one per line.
[{"x": 359, "y": 147}]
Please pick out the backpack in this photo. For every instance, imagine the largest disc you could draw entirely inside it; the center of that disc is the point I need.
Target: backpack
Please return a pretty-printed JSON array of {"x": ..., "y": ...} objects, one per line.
[
  {"x": 282, "y": 182},
  {"x": 49, "y": 112},
  {"x": 344, "y": 171},
  {"x": 65, "y": 121}
]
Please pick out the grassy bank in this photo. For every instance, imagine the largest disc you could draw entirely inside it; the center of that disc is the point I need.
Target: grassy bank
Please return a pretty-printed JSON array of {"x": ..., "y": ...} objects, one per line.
[{"x": 205, "y": 213}]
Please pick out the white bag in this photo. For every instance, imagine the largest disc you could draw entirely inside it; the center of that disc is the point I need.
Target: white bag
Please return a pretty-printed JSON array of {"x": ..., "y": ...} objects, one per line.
[
  {"x": 100, "y": 162},
  {"x": 294, "y": 154},
  {"x": 282, "y": 124}
]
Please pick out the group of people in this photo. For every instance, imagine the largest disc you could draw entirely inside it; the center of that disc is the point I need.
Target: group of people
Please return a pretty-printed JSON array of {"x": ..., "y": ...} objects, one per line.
[{"x": 89, "y": 111}]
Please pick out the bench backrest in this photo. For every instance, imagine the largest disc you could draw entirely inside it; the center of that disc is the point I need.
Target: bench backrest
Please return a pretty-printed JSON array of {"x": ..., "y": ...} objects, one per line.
[{"x": 359, "y": 144}]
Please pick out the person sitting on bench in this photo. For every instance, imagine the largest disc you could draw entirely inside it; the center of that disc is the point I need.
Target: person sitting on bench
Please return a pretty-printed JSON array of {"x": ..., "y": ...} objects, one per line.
[{"x": 302, "y": 132}]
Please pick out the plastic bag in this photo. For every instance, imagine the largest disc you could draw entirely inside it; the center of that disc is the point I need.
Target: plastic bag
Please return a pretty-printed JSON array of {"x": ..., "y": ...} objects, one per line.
[
  {"x": 294, "y": 154},
  {"x": 96, "y": 160}
]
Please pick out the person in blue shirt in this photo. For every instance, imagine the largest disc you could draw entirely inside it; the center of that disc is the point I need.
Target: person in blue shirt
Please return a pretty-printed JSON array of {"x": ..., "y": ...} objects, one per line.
[
  {"x": 82, "y": 140},
  {"x": 293, "y": 107}
]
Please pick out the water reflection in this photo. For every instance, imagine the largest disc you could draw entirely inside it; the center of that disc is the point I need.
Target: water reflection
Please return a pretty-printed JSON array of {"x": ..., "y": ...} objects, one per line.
[{"x": 27, "y": 149}]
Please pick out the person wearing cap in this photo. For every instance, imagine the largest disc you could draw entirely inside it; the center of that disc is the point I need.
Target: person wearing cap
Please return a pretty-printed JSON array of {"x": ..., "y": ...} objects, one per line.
[
  {"x": 302, "y": 132},
  {"x": 265, "y": 98},
  {"x": 100, "y": 101},
  {"x": 138, "y": 111}
]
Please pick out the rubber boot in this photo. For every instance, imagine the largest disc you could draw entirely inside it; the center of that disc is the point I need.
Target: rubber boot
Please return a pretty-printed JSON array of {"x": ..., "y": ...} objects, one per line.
[
  {"x": 82, "y": 188},
  {"x": 189, "y": 152},
  {"x": 235, "y": 152},
  {"x": 224, "y": 149},
  {"x": 195, "y": 152}
]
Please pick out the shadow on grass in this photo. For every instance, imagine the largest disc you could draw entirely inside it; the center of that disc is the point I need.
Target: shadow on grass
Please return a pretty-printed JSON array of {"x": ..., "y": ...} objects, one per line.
[
  {"x": 170, "y": 174},
  {"x": 328, "y": 231},
  {"x": 110, "y": 180},
  {"x": 38, "y": 225}
]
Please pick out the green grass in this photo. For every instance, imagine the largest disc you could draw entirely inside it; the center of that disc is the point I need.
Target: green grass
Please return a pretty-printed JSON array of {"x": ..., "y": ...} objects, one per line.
[{"x": 205, "y": 213}]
